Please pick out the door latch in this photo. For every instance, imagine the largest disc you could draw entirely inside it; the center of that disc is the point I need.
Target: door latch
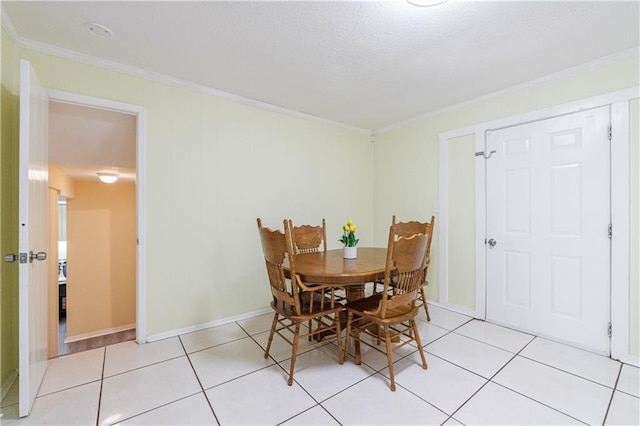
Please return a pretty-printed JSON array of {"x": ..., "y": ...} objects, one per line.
[
  {"x": 41, "y": 255},
  {"x": 482, "y": 154}
]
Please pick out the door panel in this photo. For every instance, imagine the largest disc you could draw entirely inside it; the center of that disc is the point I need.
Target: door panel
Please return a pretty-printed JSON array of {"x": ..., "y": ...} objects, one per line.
[
  {"x": 548, "y": 209},
  {"x": 33, "y": 236}
]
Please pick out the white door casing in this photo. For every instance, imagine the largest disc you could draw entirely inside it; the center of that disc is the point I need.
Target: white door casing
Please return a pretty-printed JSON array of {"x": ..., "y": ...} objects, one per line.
[
  {"x": 548, "y": 211},
  {"x": 141, "y": 226},
  {"x": 33, "y": 236}
]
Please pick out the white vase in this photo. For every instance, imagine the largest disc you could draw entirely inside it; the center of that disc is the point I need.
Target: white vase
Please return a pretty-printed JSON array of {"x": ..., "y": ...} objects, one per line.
[{"x": 350, "y": 252}]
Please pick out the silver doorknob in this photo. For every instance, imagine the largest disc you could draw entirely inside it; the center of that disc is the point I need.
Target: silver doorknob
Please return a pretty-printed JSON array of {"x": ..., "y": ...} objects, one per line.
[
  {"x": 41, "y": 255},
  {"x": 492, "y": 242},
  {"x": 10, "y": 258}
]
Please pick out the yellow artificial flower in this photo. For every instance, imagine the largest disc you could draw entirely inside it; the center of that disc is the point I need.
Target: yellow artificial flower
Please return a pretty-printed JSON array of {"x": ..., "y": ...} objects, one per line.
[{"x": 349, "y": 238}]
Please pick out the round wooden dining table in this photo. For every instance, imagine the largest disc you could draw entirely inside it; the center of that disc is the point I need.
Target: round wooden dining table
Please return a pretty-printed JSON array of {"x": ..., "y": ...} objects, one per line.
[{"x": 331, "y": 268}]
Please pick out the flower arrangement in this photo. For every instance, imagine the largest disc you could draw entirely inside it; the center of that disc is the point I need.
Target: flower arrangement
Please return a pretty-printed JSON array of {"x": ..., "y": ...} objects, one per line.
[{"x": 349, "y": 237}]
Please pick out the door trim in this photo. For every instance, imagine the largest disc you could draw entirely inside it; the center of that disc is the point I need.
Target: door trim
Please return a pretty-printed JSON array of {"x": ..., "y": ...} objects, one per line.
[
  {"x": 620, "y": 249},
  {"x": 141, "y": 226}
]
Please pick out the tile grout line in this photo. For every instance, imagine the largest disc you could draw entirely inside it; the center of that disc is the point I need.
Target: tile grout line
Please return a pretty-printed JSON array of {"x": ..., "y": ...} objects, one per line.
[
  {"x": 526, "y": 357},
  {"x": 134, "y": 369},
  {"x": 606, "y": 414},
  {"x": 375, "y": 372},
  {"x": 141, "y": 367},
  {"x": 104, "y": 361},
  {"x": 526, "y": 396},
  {"x": 570, "y": 373},
  {"x": 489, "y": 380},
  {"x": 540, "y": 402},
  {"x": 198, "y": 379},
  {"x": 318, "y": 403}
]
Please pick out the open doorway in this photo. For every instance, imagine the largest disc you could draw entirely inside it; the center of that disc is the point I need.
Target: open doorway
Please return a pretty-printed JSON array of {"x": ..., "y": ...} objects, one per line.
[{"x": 93, "y": 293}]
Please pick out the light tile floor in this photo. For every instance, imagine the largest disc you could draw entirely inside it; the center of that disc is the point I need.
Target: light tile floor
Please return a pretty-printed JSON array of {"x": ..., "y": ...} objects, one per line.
[{"x": 479, "y": 373}]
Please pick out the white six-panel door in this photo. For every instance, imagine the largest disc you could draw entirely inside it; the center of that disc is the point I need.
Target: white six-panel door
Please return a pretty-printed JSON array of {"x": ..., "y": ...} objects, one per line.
[
  {"x": 548, "y": 212},
  {"x": 33, "y": 237}
]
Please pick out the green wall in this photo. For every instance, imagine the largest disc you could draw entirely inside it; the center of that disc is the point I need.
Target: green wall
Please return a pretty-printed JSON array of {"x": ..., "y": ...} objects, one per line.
[{"x": 9, "y": 112}]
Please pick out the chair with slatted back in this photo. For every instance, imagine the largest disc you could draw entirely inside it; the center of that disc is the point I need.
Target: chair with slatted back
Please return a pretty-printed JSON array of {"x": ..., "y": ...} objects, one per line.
[
  {"x": 312, "y": 239},
  {"x": 294, "y": 302},
  {"x": 406, "y": 229},
  {"x": 309, "y": 238},
  {"x": 391, "y": 314}
]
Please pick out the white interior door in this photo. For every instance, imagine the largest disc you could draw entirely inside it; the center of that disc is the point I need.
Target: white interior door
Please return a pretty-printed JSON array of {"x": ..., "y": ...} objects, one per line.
[
  {"x": 548, "y": 216},
  {"x": 33, "y": 236}
]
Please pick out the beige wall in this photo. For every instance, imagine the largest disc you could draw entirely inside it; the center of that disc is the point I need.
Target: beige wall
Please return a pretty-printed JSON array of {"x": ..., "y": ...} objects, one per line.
[
  {"x": 212, "y": 167},
  {"x": 9, "y": 208},
  {"x": 101, "y": 257},
  {"x": 461, "y": 168},
  {"x": 61, "y": 182},
  {"x": 634, "y": 230},
  {"x": 406, "y": 160}
]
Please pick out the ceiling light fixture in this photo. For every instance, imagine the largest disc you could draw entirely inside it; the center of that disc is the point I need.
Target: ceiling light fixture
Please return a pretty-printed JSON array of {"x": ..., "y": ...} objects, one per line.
[
  {"x": 108, "y": 177},
  {"x": 425, "y": 3}
]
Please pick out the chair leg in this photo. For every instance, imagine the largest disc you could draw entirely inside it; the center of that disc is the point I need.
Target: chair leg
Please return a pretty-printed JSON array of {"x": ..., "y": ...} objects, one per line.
[
  {"x": 424, "y": 303},
  {"x": 347, "y": 335},
  {"x": 356, "y": 344},
  {"x": 414, "y": 327},
  {"x": 387, "y": 340},
  {"x": 273, "y": 330},
  {"x": 294, "y": 352},
  {"x": 336, "y": 323}
]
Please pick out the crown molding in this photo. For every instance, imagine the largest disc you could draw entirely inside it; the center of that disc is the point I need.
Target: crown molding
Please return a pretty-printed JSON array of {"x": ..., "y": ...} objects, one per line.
[
  {"x": 7, "y": 25},
  {"x": 162, "y": 78},
  {"x": 616, "y": 57}
]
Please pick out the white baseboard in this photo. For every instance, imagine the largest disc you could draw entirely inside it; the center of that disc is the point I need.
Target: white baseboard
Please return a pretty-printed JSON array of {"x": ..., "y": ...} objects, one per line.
[
  {"x": 6, "y": 385},
  {"x": 198, "y": 327},
  {"x": 630, "y": 359},
  {"x": 456, "y": 308},
  {"x": 104, "y": 332}
]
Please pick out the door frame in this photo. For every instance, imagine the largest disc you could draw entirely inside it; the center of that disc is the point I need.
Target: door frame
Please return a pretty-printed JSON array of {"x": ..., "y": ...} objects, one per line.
[
  {"x": 620, "y": 199},
  {"x": 141, "y": 229}
]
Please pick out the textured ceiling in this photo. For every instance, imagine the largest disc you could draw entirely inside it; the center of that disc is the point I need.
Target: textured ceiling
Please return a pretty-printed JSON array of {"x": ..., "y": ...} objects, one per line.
[{"x": 365, "y": 64}]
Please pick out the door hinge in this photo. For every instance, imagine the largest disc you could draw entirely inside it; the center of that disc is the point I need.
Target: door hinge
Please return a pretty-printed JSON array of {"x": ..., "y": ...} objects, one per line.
[
  {"x": 609, "y": 330},
  {"x": 610, "y": 131},
  {"x": 610, "y": 231}
]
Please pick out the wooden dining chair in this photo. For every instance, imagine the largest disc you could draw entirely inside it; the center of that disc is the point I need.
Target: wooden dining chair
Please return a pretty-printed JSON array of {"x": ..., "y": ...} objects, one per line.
[
  {"x": 309, "y": 238},
  {"x": 406, "y": 229},
  {"x": 312, "y": 239},
  {"x": 294, "y": 302},
  {"x": 391, "y": 314}
]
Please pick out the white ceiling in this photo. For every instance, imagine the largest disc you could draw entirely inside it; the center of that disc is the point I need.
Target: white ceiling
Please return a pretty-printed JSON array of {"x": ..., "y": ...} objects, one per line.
[
  {"x": 365, "y": 64},
  {"x": 368, "y": 64}
]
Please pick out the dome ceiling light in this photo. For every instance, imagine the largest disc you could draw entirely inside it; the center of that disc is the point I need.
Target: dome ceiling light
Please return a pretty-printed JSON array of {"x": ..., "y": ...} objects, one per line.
[
  {"x": 108, "y": 177},
  {"x": 425, "y": 3}
]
